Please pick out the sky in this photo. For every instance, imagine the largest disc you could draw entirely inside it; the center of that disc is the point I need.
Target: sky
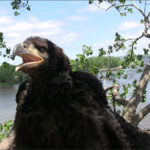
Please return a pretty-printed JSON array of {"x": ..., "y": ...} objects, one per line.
[{"x": 70, "y": 25}]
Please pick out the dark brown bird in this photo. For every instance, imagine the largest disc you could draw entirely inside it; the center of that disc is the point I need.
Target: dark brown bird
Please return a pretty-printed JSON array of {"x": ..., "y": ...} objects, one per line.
[{"x": 61, "y": 109}]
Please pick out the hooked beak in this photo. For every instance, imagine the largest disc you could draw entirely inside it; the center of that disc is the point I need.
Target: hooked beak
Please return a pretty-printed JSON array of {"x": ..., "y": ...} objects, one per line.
[{"x": 29, "y": 54}]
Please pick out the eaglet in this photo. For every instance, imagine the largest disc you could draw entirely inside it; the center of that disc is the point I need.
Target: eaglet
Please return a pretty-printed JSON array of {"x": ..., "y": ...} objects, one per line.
[{"x": 61, "y": 109}]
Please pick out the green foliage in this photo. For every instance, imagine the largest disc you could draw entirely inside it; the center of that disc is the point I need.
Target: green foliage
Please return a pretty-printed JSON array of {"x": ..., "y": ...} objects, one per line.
[
  {"x": 143, "y": 100},
  {"x": 20, "y": 4},
  {"x": 2, "y": 43},
  {"x": 92, "y": 64},
  {"x": 8, "y": 74},
  {"x": 3, "y": 46},
  {"x": 5, "y": 129}
]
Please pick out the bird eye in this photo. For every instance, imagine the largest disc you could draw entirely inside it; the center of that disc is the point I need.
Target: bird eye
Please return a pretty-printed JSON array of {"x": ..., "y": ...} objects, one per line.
[{"x": 42, "y": 50}]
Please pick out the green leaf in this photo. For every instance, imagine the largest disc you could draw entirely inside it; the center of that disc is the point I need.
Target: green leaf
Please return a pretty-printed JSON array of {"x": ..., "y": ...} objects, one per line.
[
  {"x": 90, "y": 1},
  {"x": 142, "y": 21},
  {"x": 28, "y": 7}
]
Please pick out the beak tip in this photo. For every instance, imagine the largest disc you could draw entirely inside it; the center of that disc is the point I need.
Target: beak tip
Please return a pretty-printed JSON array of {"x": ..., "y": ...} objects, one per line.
[{"x": 17, "y": 49}]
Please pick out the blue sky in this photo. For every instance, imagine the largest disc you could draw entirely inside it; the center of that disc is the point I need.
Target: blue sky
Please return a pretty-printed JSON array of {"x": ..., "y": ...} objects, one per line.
[{"x": 69, "y": 24}]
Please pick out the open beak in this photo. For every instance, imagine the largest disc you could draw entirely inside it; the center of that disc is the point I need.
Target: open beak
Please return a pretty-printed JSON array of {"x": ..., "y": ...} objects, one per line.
[{"x": 30, "y": 56}]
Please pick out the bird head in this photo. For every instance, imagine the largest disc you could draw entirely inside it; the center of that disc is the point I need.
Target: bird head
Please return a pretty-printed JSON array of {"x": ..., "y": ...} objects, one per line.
[{"x": 40, "y": 54}]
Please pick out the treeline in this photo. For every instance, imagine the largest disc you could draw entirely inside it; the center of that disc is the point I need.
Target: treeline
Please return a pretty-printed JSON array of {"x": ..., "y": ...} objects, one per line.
[
  {"x": 105, "y": 62},
  {"x": 99, "y": 62},
  {"x": 9, "y": 76}
]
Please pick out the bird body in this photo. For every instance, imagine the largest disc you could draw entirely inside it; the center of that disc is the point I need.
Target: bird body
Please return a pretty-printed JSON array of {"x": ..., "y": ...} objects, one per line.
[
  {"x": 61, "y": 109},
  {"x": 58, "y": 115}
]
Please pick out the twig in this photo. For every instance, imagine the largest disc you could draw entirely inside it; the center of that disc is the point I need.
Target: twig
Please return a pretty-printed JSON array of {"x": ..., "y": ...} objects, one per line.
[
  {"x": 109, "y": 88},
  {"x": 103, "y": 8},
  {"x": 113, "y": 5},
  {"x": 133, "y": 45},
  {"x": 24, "y": 6},
  {"x": 148, "y": 15},
  {"x": 138, "y": 9},
  {"x": 116, "y": 96},
  {"x": 114, "y": 105}
]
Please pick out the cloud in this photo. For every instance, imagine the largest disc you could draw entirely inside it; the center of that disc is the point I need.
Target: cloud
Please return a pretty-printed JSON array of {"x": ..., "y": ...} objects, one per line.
[
  {"x": 104, "y": 44},
  {"x": 33, "y": 19},
  {"x": 143, "y": 42},
  {"x": 129, "y": 25},
  {"x": 16, "y": 31},
  {"x": 69, "y": 38},
  {"x": 6, "y": 20},
  {"x": 78, "y": 18},
  {"x": 93, "y": 8}
]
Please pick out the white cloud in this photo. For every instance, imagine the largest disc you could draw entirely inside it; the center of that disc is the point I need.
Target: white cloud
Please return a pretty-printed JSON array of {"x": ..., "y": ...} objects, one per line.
[
  {"x": 94, "y": 8},
  {"x": 16, "y": 31},
  {"x": 78, "y": 18},
  {"x": 49, "y": 33},
  {"x": 129, "y": 25},
  {"x": 33, "y": 19},
  {"x": 104, "y": 44},
  {"x": 13, "y": 34},
  {"x": 129, "y": 36},
  {"x": 6, "y": 20},
  {"x": 69, "y": 38}
]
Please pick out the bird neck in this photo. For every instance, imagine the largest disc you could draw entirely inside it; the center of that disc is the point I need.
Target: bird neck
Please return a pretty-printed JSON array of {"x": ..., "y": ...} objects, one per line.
[{"x": 48, "y": 78}]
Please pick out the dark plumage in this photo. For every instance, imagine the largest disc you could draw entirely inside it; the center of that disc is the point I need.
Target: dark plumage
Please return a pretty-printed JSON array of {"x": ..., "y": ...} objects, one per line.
[{"x": 61, "y": 109}]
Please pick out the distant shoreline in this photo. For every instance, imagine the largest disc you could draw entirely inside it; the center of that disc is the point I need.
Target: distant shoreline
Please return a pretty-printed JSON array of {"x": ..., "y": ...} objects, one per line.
[{"x": 113, "y": 69}]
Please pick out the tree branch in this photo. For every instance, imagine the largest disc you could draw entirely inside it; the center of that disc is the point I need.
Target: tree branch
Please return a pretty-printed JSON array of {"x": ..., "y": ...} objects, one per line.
[
  {"x": 141, "y": 114},
  {"x": 137, "y": 96},
  {"x": 113, "y": 5},
  {"x": 109, "y": 88},
  {"x": 148, "y": 15},
  {"x": 133, "y": 45},
  {"x": 103, "y": 8},
  {"x": 117, "y": 98},
  {"x": 146, "y": 35},
  {"x": 114, "y": 105},
  {"x": 8, "y": 142},
  {"x": 138, "y": 9}
]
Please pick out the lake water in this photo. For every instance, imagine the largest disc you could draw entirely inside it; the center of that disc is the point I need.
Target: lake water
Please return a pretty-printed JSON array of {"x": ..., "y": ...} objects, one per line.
[{"x": 8, "y": 104}]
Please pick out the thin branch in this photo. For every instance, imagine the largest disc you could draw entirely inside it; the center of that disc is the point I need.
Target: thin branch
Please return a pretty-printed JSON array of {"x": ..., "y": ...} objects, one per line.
[
  {"x": 138, "y": 9},
  {"x": 109, "y": 88},
  {"x": 145, "y": 7},
  {"x": 117, "y": 98},
  {"x": 26, "y": 3},
  {"x": 130, "y": 39},
  {"x": 114, "y": 105},
  {"x": 148, "y": 15},
  {"x": 23, "y": 6},
  {"x": 103, "y": 8},
  {"x": 141, "y": 114},
  {"x": 133, "y": 45},
  {"x": 113, "y": 5}
]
